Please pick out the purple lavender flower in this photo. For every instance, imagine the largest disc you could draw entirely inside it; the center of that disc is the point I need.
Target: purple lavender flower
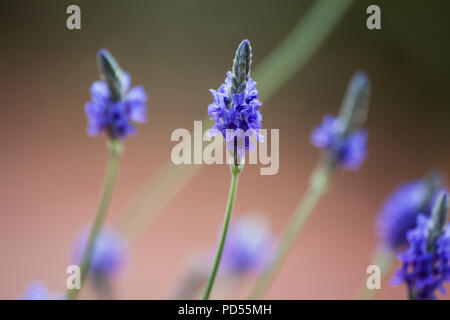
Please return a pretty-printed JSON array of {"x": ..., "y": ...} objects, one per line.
[
  {"x": 399, "y": 213},
  {"x": 426, "y": 263},
  {"x": 424, "y": 270},
  {"x": 114, "y": 105},
  {"x": 39, "y": 291},
  {"x": 109, "y": 255},
  {"x": 247, "y": 246},
  {"x": 349, "y": 151},
  {"x": 343, "y": 142},
  {"x": 235, "y": 108}
]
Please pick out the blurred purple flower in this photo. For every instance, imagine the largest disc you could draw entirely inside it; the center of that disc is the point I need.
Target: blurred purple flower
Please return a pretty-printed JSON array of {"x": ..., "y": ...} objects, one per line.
[
  {"x": 113, "y": 112},
  {"x": 39, "y": 291},
  {"x": 399, "y": 213},
  {"x": 349, "y": 150},
  {"x": 109, "y": 255},
  {"x": 248, "y": 245},
  {"x": 425, "y": 268}
]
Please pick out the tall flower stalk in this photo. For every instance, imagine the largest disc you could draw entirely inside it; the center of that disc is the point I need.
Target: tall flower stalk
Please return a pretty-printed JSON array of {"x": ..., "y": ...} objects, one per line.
[
  {"x": 100, "y": 215},
  {"x": 226, "y": 222},
  {"x": 344, "y": 145},
  {"x": 111, "y": 110},
  {"x": 235, "y": 111}
]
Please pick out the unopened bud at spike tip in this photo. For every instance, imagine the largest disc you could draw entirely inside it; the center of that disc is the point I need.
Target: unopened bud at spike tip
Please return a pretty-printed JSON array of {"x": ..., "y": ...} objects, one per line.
[
  {"x": 241, "y": 67},
  {"x": 434, "y": 179},
  {"x": 114, "y": 105},
  {"x": 355, "y": 105},
  {"x": 439, "y": 215},
  {"x": 110, "y": 72}
]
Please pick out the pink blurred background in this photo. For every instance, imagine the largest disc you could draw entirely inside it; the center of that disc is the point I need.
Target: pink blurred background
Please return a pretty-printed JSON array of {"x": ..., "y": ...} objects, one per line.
[{"x": 52, "y": 172}]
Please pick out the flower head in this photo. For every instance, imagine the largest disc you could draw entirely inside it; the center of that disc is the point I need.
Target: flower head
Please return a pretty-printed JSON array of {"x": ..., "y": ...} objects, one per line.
[
  {"x": 109, "y": 254},
  {"x": 39, "y": 291},
  {"x": 247, "y": 246},
  {"x": 349, "y": 150},
  {"x": 235, "y": 108},
  {"x": 399, "y": 213},
  {"x": 114, "y": 105},
  {"x": 426, "y": 263},
  {"x": 344, "y": 143}
]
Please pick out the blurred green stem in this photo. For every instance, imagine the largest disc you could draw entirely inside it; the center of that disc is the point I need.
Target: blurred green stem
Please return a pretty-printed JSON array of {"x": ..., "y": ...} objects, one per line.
[
  {"x": 317, "y": 186},
  {"x": 115, "y": 152},
  {"x": 299, "y": 45},
  {"x": 235, "y": 170},
  {"x": 384, "y": 259},
  {"x": 277, "y": 68}
]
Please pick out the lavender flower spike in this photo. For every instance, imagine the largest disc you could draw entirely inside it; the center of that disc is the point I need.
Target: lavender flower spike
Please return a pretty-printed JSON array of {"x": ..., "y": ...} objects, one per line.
[
  {"x": 236, "y": 115},
  {"x": 426, "y": 263},
  {"x": 114, "y": 105},
  {"x": 111, "y": 110},
  {"x": 344, "y": 143},
  {"x": 235, "y": 108}
]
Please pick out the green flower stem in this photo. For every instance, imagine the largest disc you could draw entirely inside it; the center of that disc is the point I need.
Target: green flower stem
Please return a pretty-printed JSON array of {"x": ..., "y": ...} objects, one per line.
[
  {"x": 235, "y": 170},
  {"x": 383, "y": 258},
  {"x": 115, "y": 148},
  {"x": 317, "y": 186}
]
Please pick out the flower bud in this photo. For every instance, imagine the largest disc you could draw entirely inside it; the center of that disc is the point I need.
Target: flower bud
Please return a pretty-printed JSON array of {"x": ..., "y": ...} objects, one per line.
[
  {"x": 241, "y": 67},
  {"x": 438, "y": 217},
  {"x": 111, "y": 73},
  {"x": 355, "y": 105}
]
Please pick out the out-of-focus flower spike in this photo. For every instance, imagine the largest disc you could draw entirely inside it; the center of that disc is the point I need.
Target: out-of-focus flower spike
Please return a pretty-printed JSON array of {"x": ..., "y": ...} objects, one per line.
[
  {"x": 114, "y": 105},
  {"x": 355, "y": 105},
  {"x": 399, "y": 212},
  {"x": 109, "y": 256},
  {"x": 111, "y": 73},
  {"x": 37, "y": 290},
  {"x": 241, "y": 67},
  {"x": 438, "y": 218},
  {"x": 342, "y": 138},
  {"x": 248, "y": 245},
  {"x": 426, "y": 264}
]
